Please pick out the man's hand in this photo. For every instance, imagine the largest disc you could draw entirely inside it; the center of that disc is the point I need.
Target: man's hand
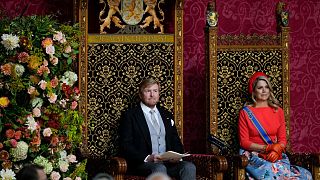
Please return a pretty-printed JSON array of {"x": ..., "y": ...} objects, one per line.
[{"x": 154, "y": 158}]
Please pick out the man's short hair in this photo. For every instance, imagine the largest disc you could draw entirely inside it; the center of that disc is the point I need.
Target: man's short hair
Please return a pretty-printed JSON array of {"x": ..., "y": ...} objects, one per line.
[
  {"x": 147, "y": 82},
  {"x": 29, "y": 171},
  {"x": 103, "y": 176}
]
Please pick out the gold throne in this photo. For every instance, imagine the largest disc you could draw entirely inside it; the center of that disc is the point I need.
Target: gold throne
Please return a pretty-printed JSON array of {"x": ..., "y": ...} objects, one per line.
[
  {"x": 111, "y": 67},
  {"x": 232, "y": 60}
]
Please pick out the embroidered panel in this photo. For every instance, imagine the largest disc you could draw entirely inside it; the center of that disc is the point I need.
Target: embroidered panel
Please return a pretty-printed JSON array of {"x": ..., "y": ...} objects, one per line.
[
  {"x": 114, "y": 73},
  {"x": 234, "y": 69},
  {"x": 232, "y": 61}
]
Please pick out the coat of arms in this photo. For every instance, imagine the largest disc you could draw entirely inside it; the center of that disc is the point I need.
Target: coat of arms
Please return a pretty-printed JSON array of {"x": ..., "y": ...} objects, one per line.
[{"x": 131, "y": 12}]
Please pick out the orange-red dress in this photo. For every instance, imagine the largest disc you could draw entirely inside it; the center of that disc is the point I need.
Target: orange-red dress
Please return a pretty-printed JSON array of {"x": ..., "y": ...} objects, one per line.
[{"x": 274, "y": 124}]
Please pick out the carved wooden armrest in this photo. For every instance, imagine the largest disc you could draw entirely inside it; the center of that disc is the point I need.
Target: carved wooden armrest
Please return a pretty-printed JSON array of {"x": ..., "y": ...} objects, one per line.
[
  {"x": 316, "y": 166},
  {"x": 310, "y": 161},
  {"x": 209, "y": 166},
  {"x": 118, "y": 167},
  {"x": 240, "y": 162}
]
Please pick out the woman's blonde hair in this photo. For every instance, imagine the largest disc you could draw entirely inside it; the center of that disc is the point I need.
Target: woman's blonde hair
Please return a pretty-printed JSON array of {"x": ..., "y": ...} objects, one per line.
[{"x": 272, "y": 101}]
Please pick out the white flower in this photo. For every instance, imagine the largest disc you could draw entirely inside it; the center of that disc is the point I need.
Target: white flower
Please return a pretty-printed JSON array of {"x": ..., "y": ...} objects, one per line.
[
  {"x": 50, "y": 50},
  {"x": 19, "y": 69},
  {"x": 72, "y": 158},
  {"x": 10, "y": 41},
  {"x": 40, "y": 160},
  {"x": 67, "y": 178},
  {"x": 42, "y": 84},
  {"x": 63, "y": 154},
  {"x": 63, "y": 166},
  {"x": 20, "y": 152},
  {"x": 58, "y": 36},
  {"x": 36, "y": 112},
  {"x": 55, "y": 175},
  {"x": 63, "y": 103},
  {"x": 47, "y": 132},
  {"x": 7, "y": 174},
  {"x": 31, "y": 123},
  {"x": 37, "y": 102},
  {"x": 69, "y": 78},
  {"x": 78, "y": 178}
]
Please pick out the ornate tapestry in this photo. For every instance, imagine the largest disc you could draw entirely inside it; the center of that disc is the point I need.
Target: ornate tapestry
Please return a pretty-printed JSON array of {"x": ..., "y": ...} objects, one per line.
[
  {"x": 234, "y": 70},
  {"x": 114, "y": 74}
]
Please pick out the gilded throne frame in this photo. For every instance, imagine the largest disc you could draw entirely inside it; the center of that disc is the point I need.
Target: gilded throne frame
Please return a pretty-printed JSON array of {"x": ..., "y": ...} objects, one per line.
[
  {"x": 100, "y": 136},
  {"x": 232, "y": 59}
]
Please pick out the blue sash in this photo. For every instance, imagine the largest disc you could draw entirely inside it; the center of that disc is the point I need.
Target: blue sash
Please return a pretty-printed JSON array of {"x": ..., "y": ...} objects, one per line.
[{"x": 257, "y": 124}]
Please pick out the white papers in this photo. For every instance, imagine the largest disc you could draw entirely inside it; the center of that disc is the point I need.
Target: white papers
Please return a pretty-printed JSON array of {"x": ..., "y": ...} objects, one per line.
[{"x": 171, "y": 155}]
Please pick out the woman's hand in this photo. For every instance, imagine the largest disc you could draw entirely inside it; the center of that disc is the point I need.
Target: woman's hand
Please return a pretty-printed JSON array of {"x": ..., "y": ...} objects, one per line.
[
  {"x": 272, "y": 156},
  {"x": 278, "y": 148}
]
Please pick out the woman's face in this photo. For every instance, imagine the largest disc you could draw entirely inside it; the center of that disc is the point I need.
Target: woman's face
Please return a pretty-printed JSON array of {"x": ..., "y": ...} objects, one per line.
[{"x": 262, "y": 91}]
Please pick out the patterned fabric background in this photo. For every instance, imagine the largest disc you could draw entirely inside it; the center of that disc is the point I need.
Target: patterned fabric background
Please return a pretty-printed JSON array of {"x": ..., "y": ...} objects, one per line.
[
  {"x": 234, "y": 69},
  {"x": 114, "y": 74},
  {"x": 247, "y": 17},
  {"x": 236, "y": 17}
]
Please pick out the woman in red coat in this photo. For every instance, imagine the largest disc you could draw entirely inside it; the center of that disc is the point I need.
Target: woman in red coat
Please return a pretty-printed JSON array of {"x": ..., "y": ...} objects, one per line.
[{"x": 262, "y": 134}]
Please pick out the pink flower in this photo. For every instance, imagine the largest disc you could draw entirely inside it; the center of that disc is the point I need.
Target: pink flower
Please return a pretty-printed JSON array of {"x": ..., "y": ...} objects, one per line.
[
  {"x": 68, "y": 49},
  {"x": 47, "y": 132},
  {"x": 76, "y": 90},
  {"x": 58, "y": 36},
  {"x": 43, "y": 84},
  {"x": 77, "y": 178},
  {"x": 52, "y": 97},
  {"x": 23, "y": 57},
  {"x": 54, "y": 141},
  {"x": 74, "y": 104},
  {"x": 55, "y": 175},
  {"x": 43, "y": 69},
  {"x": 54, "y": 60},
  {"x": 67, "y": 178},
  {"x": 17, "y": 135},
  {"x": 13, "y": 143},
  {"x": 10, "y": 133},
  {"x": 50, "y": 50},
  {"x": 36, "y": 112},
  {"x": 54, "y": 82}
]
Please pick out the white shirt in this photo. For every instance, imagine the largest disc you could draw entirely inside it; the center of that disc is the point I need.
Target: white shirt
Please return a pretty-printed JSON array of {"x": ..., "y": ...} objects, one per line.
[{"x": 146, "y": 110}]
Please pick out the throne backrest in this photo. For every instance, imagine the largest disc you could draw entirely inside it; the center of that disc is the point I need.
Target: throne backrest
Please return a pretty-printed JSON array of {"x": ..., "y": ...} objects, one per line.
[
  {"x": 111, "y": 68},
  {"x": 232, "y": 60}
]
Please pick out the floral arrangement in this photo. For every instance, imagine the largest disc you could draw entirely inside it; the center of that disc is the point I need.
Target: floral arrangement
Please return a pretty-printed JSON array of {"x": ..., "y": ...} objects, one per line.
[{"x": 39, "y": 120}]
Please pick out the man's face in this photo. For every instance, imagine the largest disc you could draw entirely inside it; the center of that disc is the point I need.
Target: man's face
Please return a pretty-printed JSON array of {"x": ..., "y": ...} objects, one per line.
[{"x": 150, "y": 95}]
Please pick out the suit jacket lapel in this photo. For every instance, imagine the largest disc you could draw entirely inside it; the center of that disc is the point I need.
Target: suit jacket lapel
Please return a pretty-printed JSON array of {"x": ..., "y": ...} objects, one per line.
[{"x": 141, "y": 121}]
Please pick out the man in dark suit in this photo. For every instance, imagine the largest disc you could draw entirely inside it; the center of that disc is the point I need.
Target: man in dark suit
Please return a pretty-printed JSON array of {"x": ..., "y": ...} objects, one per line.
[{"x": 147, "y": 131}]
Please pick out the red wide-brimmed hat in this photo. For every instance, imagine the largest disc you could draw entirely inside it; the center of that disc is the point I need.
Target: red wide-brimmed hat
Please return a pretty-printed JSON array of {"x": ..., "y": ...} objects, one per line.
[{"x": 253, "y": 78}]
